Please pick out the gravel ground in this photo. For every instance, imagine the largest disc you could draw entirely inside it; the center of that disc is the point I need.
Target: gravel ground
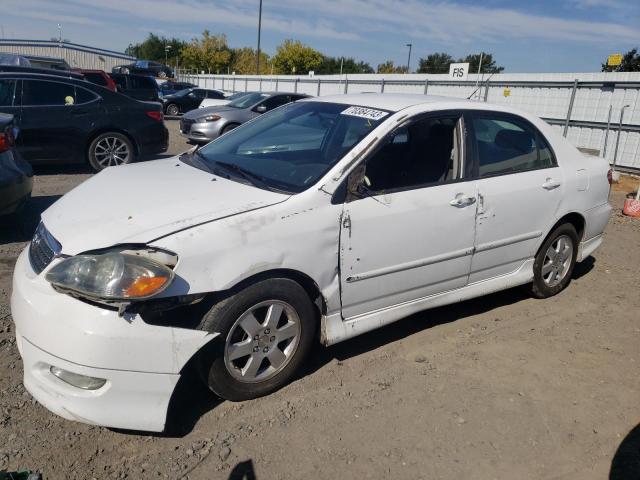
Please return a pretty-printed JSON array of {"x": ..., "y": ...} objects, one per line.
[{"x": 499, "y": 387}]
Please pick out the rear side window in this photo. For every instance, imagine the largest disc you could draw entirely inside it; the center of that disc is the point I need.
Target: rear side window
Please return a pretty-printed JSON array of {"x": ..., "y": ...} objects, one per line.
[
  {"x": 276, "y": 101},
  {"x": 214, "y": 94},
  {"x": 40, "y": 93},
  {"x": 96, "y": 78},
  {"x": 7, "y": 92},
  {"x": 506, "y": 145},
  {"x": 84, "y": 96}
]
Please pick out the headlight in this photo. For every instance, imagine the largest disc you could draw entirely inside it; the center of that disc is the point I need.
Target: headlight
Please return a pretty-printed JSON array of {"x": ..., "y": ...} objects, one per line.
[
  {"x": 111, "y": 276},
  {"x": 209, "y": 118}
]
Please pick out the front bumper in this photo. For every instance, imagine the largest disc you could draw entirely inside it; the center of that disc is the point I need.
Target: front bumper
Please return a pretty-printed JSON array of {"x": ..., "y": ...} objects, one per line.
[
  {"x": 141, "y": 362},
  {"x": 202, "y": 132}
]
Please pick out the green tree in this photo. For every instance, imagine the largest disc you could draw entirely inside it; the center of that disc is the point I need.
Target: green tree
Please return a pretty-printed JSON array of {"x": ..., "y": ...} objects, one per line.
[
  {"x": 209, "y": 53},
  {"x": 331, "y": 65},
  {"x": 244, "y": 61},
  {"x": 389, "y": 67},
  {"x": 153, "y": 48},
  {"x": 292, "y": 57},
  {"x": 435, "y": 63},
  {"x": 630, "y": 63},
  {"x": 488, "y": 63}
]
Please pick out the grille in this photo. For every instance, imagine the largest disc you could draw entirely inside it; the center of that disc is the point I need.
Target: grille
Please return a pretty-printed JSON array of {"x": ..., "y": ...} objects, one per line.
[
  {"x": 43, "y": 249},
  {"x": 185, "y": 125}
]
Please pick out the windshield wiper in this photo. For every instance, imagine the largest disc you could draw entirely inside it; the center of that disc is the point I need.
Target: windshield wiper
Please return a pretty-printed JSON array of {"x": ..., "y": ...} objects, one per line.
[
  {"x": 196, "y": 159},
  {"x": 253, "y": 178}
]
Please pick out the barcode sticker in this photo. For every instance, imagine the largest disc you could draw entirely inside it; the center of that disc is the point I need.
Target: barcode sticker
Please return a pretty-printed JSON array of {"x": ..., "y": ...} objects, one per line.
[{"x": 363, "y": 112}]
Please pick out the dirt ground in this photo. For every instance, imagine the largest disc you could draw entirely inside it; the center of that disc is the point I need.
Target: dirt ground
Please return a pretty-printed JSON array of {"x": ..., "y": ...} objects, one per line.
[{"x": 501, "y": 387}]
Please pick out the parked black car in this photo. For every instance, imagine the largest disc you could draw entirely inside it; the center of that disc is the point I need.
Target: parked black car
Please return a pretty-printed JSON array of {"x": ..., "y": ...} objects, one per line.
[
  {"x": 67, "y": 120},
  {"x": 139, "y": 87},
  {"x": 51, "y": 63},
  {"x": 186, "y": 100},
  {"x": 16, "y": 175},
  {"x": 169, "y": 87},
  {"x": 145, "y": 67}
]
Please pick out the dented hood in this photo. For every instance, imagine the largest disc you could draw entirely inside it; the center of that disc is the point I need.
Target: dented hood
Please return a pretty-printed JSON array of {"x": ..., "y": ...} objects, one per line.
[{"x": 141, "y": 202}]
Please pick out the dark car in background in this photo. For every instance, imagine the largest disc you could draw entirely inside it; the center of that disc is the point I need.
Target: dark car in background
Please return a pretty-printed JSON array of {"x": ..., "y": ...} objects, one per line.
[
  {"x": 16, "y": 175},
  {"x": 64, "y": 120},
  {"x": 169, "y": 87},
  {"x": 204, "y": 124},
  {"x": 99, "y": 77},
  {"x": 140, "y": 87},
  {"x": 52, "y": 63},
  {"x": 145, "y": 67},
  {"x": 186, "y": 100}
]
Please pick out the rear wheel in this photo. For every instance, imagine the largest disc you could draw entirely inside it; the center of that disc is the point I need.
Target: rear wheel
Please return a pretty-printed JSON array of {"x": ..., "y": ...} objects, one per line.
[
  {"x": 173, "y": 109},
  {"x": 110, "y": 149},
  {"x": 267, "y": 331},
  {"x": 554, "y": 262}
]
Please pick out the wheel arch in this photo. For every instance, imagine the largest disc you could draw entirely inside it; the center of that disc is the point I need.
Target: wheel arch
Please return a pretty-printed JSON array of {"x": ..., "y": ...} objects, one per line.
[{"x": 573, "y": 218}]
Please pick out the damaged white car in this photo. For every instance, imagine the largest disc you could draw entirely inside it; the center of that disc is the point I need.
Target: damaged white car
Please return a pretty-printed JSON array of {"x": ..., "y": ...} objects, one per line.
[{"x": 323, "y": 219}]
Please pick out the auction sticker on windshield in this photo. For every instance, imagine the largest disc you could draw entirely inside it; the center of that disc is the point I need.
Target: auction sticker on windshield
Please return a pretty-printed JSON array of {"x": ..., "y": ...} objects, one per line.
[{"x": 363, "y": 112}]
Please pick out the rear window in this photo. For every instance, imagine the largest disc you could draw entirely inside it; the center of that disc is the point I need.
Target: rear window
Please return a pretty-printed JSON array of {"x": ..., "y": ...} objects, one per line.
[{"x": 96, "y": 78}]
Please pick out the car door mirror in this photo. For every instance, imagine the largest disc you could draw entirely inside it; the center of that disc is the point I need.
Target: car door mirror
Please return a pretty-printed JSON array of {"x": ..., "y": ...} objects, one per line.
[
  {"x": 261, "y": 109},
  {"x": 356, "y": 187}
]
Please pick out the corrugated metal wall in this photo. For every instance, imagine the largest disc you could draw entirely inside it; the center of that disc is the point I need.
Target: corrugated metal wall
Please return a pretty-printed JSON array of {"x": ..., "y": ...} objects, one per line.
[
  {"x": 78, "y": 56},
  {"x": 547, "y": 95}
]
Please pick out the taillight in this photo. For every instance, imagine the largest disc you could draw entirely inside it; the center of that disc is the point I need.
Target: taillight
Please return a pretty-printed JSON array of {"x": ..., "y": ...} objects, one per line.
[
  {"x": 159, "y": 116},
  {"x": 610, "y": 176},
  {"x": 7, "y": 140}
]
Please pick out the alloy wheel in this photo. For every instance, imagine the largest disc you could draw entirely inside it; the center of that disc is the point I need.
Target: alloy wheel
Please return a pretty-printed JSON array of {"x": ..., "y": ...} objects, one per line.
[
  {"x": 262, "y": 341},
  {"x": 557, "y": 261},
  {"x": 111, "y": 151}
]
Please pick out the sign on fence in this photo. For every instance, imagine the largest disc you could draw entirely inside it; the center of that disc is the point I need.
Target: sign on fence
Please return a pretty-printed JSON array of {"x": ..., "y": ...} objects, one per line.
[
  {"x": 614, "y": 60},
  {"x": 458, "y": 71}
]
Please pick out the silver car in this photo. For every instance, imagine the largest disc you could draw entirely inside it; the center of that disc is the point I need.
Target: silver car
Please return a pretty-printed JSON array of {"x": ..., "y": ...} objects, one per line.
[{"x": 204, "y": 124}]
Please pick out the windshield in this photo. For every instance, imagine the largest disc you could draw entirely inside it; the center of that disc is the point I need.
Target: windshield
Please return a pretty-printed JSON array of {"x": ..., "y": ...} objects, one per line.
[
  {"x": 248, "y": 100},
  {"x": 293, "y": 146}
]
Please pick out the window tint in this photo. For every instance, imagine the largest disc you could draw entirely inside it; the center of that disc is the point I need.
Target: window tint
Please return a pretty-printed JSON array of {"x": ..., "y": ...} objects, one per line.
[
  {"x": 425, "y": 152},
  {"x": 276, "y": 101},
  {"x": 506, "y": 145},
  {"x": 84, "y": 96},
  {"x": 7, "y": 92},
  {"x": 199, "y": 93},
  {"x": 214, "y": 94},
  {"x": 38, "y": 92}
]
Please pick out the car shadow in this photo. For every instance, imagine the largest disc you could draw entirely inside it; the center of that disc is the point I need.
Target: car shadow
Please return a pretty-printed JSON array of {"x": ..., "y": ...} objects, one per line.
[
  {"x": 626, "y": 461},
  {"x": 20, "y": 227},
  {"x": 191, "y": 400}
]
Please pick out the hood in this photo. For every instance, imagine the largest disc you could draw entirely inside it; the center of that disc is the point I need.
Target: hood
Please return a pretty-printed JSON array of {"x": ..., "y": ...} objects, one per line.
[
  {"x": 199, "y": 112},
  {"x": 140, "y": 202}
]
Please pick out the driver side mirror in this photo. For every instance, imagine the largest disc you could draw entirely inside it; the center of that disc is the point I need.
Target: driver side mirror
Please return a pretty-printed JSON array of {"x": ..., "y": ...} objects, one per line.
[
  {"x": 261, "y": 109},
  {"x": 356, "y": 186}
]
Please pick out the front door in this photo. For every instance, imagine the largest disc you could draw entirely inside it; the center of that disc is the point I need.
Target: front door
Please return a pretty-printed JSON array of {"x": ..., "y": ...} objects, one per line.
[
  {"x": 519, "y": 191},
  {"x": 409, "y": 232}
]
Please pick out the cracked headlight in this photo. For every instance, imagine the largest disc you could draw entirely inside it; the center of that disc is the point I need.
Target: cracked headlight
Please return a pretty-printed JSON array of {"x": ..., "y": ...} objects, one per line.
[{"x": 111, "y": 276}]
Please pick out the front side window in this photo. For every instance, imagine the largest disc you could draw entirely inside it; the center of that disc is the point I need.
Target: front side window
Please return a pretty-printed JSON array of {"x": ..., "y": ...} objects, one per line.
[
  {"x": 506, "y": 145},
  {"x": 422, "y": 153},
  {"x": 45, "y": 93},
  {"x": 276, "y": 101},
  {"x": 293, "y": 147},
  {"x": 7, "y": 93},
  {"x": 214, "y": 94}
]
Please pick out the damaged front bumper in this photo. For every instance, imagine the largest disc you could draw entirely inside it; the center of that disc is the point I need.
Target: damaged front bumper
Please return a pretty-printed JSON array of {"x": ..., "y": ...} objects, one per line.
[{"x": 141, "y": 363}]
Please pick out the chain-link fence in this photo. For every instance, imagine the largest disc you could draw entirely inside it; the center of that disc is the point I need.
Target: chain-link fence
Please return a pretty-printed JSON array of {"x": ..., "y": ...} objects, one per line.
[{"x": 586, "y": 111}]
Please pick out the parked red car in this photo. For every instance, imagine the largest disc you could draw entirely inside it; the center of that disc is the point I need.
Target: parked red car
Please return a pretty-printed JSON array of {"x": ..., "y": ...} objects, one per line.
[{"x": 99, "y": 77}]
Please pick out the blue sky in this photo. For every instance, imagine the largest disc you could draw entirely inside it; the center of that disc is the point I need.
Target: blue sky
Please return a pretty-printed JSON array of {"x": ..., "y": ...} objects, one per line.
[{"x": 525, "y": 36}]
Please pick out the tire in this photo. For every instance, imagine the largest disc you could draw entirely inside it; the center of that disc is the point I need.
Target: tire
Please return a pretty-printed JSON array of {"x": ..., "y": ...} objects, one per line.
[
  {"x": 110, "y": 149},
  {"x": 228, "y": 128},
  {"x": 254, "y": 358},
  {"x": 554, "y": 263},
  {"x": 173, "y": 109}
]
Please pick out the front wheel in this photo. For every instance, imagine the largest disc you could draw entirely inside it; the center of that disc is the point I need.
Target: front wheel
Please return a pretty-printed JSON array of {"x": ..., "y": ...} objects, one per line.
[
  {"x": 173, "y": 109},
  {"x": 110, "y": 149},
  {"x": 267, "y": 331},
  {"x": 554, "y": 262}
]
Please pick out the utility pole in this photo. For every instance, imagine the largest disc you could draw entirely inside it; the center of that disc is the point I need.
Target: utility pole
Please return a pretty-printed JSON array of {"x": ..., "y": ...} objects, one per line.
[
  {"x": 259, "y": 30},
  {"x": 409, "y": 59}
]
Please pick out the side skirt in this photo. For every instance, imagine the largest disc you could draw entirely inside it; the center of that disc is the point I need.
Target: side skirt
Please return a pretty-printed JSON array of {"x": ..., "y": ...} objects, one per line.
[{"x": 335, "y": 329}]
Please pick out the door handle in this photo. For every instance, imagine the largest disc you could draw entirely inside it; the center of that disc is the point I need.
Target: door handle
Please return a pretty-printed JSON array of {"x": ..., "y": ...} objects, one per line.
[
  {"x": 550, "y": 184},
  {"x": 462, "y": 201}
]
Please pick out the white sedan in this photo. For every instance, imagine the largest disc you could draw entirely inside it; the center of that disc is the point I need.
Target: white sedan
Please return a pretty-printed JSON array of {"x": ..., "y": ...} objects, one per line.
[
  {"x": 320, "y": 220},
  {"x": 217, "y": 102}
]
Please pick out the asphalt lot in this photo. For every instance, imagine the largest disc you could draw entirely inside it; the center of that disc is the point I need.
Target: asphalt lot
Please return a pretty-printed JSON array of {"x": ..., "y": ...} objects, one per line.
[{"x": 503, "y": 386}]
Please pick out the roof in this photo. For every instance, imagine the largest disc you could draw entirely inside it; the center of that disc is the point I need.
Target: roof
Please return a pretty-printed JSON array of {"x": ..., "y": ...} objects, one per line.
[{"x": 387, "y": 101}]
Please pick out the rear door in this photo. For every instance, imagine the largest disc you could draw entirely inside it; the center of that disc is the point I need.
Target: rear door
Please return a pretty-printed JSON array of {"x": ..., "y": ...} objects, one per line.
[
  {"x": 52, "y": 124},
  {"x": 519, "y": 192}
]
